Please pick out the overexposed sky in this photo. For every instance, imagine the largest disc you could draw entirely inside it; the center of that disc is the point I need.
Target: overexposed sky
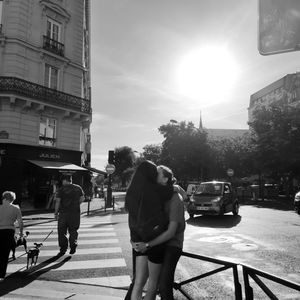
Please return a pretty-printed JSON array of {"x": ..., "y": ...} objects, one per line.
[{"x": 156, "y": 60}]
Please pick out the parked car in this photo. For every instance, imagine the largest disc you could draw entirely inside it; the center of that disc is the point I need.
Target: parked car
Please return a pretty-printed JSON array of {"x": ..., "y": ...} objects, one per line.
[
  {"x": 191, "y": 188},
  {"x": 213, "y": 197},
  {"x": 297, "y": 203}
]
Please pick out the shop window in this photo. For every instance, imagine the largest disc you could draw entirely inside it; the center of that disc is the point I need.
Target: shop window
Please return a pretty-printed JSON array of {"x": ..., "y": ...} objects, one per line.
[
  {"x": 47, "y": 135},
  {"x": 51, "y": 77}
]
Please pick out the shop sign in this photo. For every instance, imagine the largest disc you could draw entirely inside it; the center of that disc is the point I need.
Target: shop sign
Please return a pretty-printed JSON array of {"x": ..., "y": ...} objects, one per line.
[
  {"x": 49, "y": 155},
  {"x": 4, "y": 135}
]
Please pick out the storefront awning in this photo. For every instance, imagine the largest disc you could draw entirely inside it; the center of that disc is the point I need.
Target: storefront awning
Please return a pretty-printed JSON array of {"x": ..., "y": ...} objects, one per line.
[
  {"x": 94, "y": 170},
  {"x": 56, "y": 165}
]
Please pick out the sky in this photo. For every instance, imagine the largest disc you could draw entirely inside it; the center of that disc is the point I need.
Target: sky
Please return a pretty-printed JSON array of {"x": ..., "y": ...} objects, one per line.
[{"x": 157, "y": 60}]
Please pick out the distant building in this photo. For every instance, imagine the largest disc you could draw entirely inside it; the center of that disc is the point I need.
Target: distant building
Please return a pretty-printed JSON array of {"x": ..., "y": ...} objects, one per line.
[
  {"x": 284, "y": 91},
  {"x": 45, "y": 101},
  {"x": 225, "y": 133}
]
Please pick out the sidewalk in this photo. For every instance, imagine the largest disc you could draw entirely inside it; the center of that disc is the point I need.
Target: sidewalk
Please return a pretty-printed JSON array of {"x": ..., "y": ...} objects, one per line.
[{"x": 30, "y": 287}]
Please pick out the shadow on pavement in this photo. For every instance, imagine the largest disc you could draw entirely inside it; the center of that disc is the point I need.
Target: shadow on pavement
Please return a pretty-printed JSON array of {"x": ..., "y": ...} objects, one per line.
[
  {"x": 226, "y": 221},
  {"x": 280, "y": 204},
  {"x": 21, "y": 279}
]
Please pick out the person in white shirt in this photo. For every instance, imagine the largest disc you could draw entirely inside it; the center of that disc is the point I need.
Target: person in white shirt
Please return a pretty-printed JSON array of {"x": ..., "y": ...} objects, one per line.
[{"x": 9, "y": 214}]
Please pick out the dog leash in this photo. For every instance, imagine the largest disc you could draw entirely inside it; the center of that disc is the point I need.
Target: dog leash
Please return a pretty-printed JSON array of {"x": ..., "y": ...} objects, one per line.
[{"x": 47, "y": 235}]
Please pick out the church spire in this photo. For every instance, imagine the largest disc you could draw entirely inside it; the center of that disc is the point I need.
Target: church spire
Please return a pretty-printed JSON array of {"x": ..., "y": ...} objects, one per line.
[{"x": 200, "y": 122}]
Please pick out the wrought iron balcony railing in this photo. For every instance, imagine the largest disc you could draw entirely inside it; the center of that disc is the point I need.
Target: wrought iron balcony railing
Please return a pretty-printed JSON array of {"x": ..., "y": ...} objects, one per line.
[
  {"x": 21, "y": 87},
  {"x": 53, "y": 46}
]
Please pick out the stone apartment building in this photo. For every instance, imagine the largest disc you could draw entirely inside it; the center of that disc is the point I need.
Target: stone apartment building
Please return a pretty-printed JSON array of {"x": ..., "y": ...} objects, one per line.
[
  {"x": 284, "y": 91},
  {"x": 45, "y": 98}
]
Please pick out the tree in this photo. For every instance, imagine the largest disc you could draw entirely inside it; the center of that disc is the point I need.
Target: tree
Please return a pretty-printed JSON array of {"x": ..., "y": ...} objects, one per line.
[
  {"x": 236, "y": 153},
  {"x": 153, "y": 152},
  {"x": 124, "y": 160},
  {"x": 277, "y": 136},
  {"x": 185, "y": 150}
]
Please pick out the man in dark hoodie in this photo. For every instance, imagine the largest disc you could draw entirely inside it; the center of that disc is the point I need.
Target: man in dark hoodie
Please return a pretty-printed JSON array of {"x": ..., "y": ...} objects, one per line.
[{"x": 145, "y": 199}]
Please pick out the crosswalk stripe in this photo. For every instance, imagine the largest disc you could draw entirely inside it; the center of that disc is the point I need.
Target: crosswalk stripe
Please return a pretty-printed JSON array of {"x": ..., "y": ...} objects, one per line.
[
  {"x": 50, "y": 227},
  {"x": 80, "y": 230},
  {"x": 74, "y": 265},
  {"x": 97, "y": 234},
  {"x": 84, "y": 242},
  {"x": 113, "y": 281},
  {"x": 80, "y": 251}
]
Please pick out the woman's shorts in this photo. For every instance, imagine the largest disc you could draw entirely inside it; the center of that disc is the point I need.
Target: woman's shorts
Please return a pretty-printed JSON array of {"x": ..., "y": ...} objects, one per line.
[{"x": 155, "y": 254}]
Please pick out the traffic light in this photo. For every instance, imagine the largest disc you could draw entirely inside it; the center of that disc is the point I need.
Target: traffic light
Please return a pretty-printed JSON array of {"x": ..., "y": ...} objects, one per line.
[
  {"x": 111, "y": 156},
  {"x": 279, "y": 26}
]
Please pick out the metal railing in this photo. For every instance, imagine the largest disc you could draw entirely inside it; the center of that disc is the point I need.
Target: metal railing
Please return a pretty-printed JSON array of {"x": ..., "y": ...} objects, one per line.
[
  {"x": 43, "y": 94},
  {"x": 225, "y": 266},
  {"x": 247, "y": 273},
  {"x": 53, "y": 46},
  {"x": 254, "y": 273}
]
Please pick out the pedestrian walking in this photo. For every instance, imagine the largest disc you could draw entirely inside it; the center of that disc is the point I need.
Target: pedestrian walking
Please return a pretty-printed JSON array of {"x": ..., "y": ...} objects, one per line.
[
  {"x": 173, "y": 236},
  {"x": 9, "y": 214},
  {"x": 67, "y": 211},
  {"x": 145, "y": 200}
]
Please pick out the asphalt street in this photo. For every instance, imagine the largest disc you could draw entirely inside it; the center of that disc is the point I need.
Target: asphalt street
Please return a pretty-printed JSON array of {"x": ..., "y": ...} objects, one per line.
[{"x": 263, "y": 236}]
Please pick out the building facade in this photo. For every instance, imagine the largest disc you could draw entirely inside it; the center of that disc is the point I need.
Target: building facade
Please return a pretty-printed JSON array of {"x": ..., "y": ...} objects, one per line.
[
  {"x": 45, "y": 97},
  {"x": 285, "y": 91}
]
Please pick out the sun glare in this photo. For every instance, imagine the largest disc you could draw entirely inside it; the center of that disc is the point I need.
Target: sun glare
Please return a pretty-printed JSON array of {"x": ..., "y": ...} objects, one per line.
[{"x": 207, "y": 75}]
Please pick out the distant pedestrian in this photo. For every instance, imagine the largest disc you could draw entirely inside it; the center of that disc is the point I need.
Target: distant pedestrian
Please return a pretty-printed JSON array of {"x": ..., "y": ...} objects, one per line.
[
  {"x": 67, "y": 212},
  {"x": 9, "y": 214}
]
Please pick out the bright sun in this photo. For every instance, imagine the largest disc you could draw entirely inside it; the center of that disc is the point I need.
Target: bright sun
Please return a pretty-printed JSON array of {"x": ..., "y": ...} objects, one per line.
[{"x": 207, "y": 75}]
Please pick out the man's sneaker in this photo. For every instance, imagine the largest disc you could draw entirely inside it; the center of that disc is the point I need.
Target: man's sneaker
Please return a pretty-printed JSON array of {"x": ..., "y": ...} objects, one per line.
[{"x": 73, "y": 249}]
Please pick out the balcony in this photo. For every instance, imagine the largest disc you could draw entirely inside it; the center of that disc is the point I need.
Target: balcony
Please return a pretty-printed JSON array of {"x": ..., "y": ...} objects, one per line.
[
  {"x": 20, "y": 87},
  {"x": 53, "y": 46}
]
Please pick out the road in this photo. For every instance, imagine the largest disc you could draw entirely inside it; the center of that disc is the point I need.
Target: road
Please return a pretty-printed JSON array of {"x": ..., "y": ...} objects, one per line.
[{"x": 264, "y": 238}]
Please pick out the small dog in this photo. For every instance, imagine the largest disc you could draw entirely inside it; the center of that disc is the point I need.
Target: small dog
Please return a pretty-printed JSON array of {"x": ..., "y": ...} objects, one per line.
[
  {"x": 19, "y": 241},
  {"x": 33, "y": 254}
]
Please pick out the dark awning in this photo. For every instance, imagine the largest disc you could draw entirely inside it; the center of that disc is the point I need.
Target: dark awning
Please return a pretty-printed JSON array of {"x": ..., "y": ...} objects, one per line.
[
  {"x": 56, "y": 165},
  {"x": 94, "y": 170}
]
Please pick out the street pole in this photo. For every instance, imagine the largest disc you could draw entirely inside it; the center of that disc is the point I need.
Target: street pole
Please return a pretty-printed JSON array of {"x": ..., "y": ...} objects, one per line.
[{"x": 109, "y": 192}]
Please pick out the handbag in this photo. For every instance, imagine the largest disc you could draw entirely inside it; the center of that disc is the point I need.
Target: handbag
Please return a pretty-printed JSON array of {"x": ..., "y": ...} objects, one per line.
[{"x": 153, "y": 226}]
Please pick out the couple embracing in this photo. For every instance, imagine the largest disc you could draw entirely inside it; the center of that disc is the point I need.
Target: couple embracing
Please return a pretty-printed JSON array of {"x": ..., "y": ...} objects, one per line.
[{"x": 156, "y": 222}]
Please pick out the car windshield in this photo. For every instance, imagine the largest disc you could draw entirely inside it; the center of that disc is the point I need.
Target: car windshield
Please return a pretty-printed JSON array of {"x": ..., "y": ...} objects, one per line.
[{"x": 209, "y": 189}]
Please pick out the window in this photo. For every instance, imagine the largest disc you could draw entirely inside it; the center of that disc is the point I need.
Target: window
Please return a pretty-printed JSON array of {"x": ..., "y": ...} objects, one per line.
[
  {"x": 51, "y": 77},
  {"x": 47, "y": 136},
  {"x": 1, "y": 8},
  {"x": 53, "y": 30}
]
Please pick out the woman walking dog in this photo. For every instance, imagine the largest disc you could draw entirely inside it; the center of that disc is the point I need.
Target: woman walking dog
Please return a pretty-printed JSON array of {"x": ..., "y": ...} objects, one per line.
[{"x": 9, "y": 214}]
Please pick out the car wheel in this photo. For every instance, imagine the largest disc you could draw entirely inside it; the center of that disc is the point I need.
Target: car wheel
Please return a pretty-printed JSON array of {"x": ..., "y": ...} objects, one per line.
[
  {"x": 191, "y": 216},
  {"x": 235, "y": 209}
]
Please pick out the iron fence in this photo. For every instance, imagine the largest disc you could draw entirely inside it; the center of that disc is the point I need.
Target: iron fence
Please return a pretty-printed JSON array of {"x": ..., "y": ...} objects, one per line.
[{"x": 248, "y": 272}]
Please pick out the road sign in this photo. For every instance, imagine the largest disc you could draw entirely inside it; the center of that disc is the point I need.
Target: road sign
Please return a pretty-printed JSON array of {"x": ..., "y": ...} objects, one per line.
[
  {"x": 110, "y": 168},
  {"x": 279, "y": 25},
  {"x": 230, "y": 172}
]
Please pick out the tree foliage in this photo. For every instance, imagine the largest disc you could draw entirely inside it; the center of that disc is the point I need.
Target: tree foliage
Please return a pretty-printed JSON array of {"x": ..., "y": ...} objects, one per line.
[
  {"x": 153, "y": 152},
  {"x": 277, "y": 137},
  {"x": 124, "y": 161},
  {"x": 236, "y": 153},
  {"x": 185, "y": 150}
]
